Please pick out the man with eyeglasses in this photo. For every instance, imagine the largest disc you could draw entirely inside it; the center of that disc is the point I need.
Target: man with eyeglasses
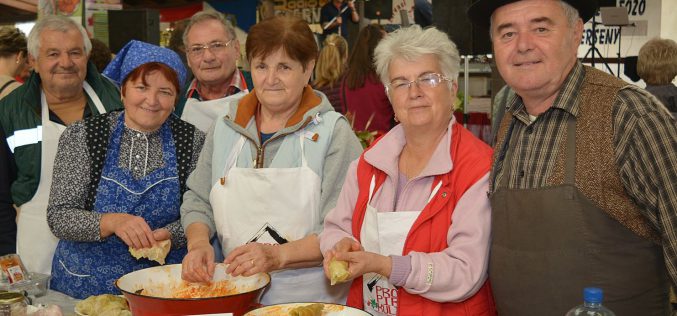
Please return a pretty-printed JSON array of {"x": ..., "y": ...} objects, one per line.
[{"x": 212, "y": 50}]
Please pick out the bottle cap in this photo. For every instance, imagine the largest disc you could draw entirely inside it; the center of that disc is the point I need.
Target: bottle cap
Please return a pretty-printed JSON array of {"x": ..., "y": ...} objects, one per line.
[{"x": 592, "y": 295}]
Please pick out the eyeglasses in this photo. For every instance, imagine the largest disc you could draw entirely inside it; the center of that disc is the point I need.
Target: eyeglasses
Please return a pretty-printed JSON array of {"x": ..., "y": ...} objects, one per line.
[
  {"x": 426, "y": 81},
  {"x": 214, "y": 47}
]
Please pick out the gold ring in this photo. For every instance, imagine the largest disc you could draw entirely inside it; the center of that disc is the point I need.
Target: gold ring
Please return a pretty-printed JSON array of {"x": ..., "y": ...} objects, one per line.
[{"x": 252, "y": 261}]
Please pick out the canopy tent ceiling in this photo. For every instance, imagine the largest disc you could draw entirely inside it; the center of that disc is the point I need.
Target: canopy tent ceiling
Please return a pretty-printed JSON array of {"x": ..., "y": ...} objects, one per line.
[
  {"x": 14, "y": 11},
  {"x": 156, "y": 4}
]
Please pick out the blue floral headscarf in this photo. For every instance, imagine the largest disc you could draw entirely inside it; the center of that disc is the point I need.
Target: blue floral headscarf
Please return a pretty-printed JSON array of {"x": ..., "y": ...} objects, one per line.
[{"x": 137, "y": 53}]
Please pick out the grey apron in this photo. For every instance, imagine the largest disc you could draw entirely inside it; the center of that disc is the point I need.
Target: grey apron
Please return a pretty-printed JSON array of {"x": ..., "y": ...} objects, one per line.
[{"x": 551, "y": 242}]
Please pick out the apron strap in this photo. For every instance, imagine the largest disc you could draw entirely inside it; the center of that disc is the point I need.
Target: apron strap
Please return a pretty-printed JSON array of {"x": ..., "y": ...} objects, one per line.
[
  {"x": 570, "y": 164},
  {"x": 304, "y": 162},
  {"x": 505, "y": 155},
  {"x": 230, "y": 162},
  {"x": 88, "y": 89},
  {"x": 372, "y": 185},
  {"x": 45, "y": 114},
  {"x": 432, "y": 194},
  {"x": 94, "y": 97}
]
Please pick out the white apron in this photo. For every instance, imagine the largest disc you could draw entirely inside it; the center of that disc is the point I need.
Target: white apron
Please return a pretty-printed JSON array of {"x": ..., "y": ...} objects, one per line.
[
  {"x": 384, "y": 233},
  {"x": 35, "y": 242},
  {"x": 203, "y": 113},
  {"x": 273, "y": 205}
]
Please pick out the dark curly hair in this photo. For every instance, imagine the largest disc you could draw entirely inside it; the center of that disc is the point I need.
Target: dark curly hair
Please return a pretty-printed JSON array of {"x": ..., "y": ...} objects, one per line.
[
  {"x": 12, "y": 41},
  {"x": 100, "y": 54}
]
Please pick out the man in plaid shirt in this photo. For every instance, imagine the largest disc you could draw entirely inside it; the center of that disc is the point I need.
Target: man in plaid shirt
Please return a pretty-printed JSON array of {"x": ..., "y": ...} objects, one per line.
[{"x": 583, "y": 186}]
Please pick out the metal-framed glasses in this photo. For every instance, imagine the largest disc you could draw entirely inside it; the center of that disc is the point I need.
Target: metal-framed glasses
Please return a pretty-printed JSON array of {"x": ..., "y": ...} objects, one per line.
[
  {"x": 425, "y": 81},
  {"x": 215, "y": 47}
]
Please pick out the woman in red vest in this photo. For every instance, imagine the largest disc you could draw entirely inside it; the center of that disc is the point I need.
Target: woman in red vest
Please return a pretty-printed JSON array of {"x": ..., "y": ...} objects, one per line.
[{"x": 413, "y": 218}]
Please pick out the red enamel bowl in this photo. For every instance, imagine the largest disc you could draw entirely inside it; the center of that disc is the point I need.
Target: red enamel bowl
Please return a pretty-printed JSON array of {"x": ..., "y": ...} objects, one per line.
[{"x": 249, "y": 292}]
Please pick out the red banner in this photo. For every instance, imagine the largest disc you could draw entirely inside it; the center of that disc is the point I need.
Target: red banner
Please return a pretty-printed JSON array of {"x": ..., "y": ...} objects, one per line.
[{"x": 179, "y": 13}]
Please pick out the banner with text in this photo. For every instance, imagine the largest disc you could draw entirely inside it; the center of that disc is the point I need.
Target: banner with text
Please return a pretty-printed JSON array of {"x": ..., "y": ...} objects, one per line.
[
  {"x": 309, "y": 10},
  {"x": 645, "y": 20}
]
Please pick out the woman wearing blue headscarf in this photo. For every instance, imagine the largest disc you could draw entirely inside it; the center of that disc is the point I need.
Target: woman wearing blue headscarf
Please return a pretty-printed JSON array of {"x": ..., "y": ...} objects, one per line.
[{"x": 119, "y": 178}]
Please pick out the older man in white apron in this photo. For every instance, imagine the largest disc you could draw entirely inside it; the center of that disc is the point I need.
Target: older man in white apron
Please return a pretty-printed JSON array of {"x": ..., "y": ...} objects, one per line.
[
  {"x": 63, "y": 89},
  {"x": 35, "y": 241}
]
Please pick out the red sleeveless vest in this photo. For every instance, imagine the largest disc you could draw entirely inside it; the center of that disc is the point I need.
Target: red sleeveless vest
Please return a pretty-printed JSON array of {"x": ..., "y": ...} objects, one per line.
[{"x": 472, "y": 160}]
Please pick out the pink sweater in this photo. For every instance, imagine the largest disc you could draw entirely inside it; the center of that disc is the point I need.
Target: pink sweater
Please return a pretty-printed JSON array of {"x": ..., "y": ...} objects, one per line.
[
  {"x": 368, "y": 100},
  {"x": 462, "y": 267}
]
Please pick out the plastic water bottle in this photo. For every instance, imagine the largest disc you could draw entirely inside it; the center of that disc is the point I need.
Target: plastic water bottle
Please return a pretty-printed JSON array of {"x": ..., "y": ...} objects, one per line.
[{"x": 592, "y": 304}]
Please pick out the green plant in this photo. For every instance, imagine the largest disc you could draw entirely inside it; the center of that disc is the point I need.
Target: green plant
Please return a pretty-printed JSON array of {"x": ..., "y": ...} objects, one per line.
[
  {"x": 458, "y": 103},
  {"x": 365, "y": 136}
]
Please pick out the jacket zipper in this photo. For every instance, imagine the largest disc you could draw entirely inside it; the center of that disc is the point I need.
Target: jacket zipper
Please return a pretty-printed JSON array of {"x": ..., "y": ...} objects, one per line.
[{"x": 260, "y": 149}]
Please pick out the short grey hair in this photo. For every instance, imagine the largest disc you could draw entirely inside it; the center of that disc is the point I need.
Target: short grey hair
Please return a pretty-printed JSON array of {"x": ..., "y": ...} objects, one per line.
[
  {"x": 413, "y": 42},
  {"x": 570, "y": 13},
  {"x": 55, "y": 23},
  {"x": 206, "y": 16}
]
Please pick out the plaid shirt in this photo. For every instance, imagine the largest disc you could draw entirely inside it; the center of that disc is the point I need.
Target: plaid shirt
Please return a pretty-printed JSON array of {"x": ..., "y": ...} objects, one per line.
[
  {"x": 236, "y": 85},
  {"x": 645, "y": 151}
]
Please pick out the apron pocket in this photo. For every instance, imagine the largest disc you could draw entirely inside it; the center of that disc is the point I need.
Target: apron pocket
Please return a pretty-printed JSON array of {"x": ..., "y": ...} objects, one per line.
[{"x": 73, "y": 271}]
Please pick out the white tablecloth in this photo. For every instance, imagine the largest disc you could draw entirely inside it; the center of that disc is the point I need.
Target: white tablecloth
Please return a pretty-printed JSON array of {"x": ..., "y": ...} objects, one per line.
[{"x": 64, "y": 301}]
